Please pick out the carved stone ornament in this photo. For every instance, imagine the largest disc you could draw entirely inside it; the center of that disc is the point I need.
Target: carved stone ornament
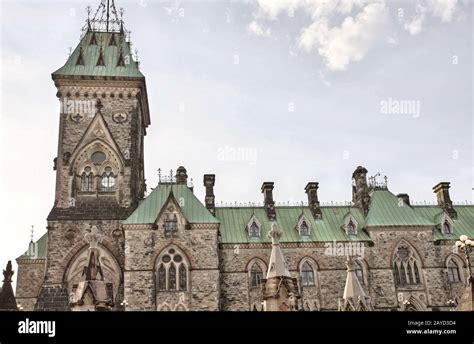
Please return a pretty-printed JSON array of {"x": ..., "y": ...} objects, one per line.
[
  {"x": 70, "y": 234},
  {"x": 120, "y": 117}
]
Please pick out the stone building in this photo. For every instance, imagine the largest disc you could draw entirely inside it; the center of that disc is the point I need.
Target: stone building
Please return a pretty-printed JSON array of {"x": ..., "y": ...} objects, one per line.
[{"x": 170, "y": 251}]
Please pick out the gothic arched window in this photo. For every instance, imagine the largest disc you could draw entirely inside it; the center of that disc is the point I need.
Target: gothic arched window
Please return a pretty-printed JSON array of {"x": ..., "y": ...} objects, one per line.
[
  {"x": 172, "y": 272},
  {"x": 171, "y": 226},
  {"x": 256, "y": 276},
  {"x": 454, "y": 275},
  {"x": 87, "y": 180},
  {"x": 307, "y": 275},
  {"x": 108, "y": 180},
  {"x": 405, "y": 267}
]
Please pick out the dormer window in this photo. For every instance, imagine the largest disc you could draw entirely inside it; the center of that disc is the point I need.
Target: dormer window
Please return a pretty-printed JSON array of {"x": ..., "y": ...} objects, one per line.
[
  {"x": 350, "y": 225},
  {"x": 304, "y": 227},
  {"x": 253, "y": 227},
  {"x": 254, "y": 231},
  {"x": 446, "y": 228},
  {"x": 351, "y": 228}
]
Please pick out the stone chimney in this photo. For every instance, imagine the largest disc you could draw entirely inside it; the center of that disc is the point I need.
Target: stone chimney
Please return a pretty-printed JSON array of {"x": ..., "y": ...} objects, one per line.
[
  {"x": 405, "y": 198},
  {"x": 360, "y": 190},
  {"x": 209, "y": 181},
  {"x": 311, "y": 190},
  {"x": 444, "y": 200},
  {"x": 269, "y": 204},
  {"x": 181, "y": 176}
]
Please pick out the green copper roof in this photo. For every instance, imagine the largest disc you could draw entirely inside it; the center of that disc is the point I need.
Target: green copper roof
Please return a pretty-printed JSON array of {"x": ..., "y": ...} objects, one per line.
[
  {"x": 39, "y": 250},
  {"x": 234, "y": 221},
  {"x": 464, "y": 224},
  {"x": 385, "y": 209},
  {"x": 149, "y": 209},
  {"x": 91, "y": 53}
]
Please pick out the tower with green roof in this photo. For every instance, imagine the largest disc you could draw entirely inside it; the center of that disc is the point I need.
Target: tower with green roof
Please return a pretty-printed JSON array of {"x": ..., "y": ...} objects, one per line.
[{"x": 99, "y": 165}]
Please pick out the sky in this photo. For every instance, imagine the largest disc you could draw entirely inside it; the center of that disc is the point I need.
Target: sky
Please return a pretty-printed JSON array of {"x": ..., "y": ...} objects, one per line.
[{"x": 252, "y": 91}]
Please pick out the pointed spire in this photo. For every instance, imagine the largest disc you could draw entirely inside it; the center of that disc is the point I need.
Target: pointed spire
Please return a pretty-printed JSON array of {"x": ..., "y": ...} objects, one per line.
[
  {"x": 7, "y": 297},
  {"x": 277, "y": 265},
  {"x": 354, "y": 297}
]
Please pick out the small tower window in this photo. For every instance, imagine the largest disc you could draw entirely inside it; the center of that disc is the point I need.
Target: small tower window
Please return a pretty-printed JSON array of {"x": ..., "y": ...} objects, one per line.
[
  {"x": 87, "y": 180},
  {"x": 307, "y": 275},
  {"x": 108, "y": 180}
]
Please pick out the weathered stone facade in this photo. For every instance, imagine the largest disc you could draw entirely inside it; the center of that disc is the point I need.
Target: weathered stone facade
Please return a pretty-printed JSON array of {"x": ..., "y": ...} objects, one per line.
[{"x": 170, "y": 252}]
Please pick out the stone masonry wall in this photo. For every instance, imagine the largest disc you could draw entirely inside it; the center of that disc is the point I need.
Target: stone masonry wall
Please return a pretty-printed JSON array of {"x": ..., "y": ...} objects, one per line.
[{"x": 29, "y": 280}]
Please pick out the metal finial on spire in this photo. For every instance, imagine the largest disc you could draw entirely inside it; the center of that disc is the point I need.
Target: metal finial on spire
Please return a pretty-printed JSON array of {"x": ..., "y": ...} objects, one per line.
[
  {"x": 159, "y": 174},
  {"x": 32, "y": 232}
]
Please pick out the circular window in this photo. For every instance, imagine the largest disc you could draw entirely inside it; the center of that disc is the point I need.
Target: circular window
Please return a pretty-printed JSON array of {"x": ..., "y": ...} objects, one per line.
[
  {"x": 177, "y": 258},
  {"x": 171, "y": 251},
  {"x": 87, "y": 169},
  {"x": 98, "y": 158},
  {"x": 166, "y": 258},
  {"x": 108, "y": 169}
]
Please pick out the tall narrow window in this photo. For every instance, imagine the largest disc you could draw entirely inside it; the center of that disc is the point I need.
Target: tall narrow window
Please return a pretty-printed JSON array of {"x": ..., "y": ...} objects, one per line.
[
  {"x": 411, "y": 278},
  {"x": 256, "y": 275},
  {"x": 359, "y": 271},
  {"x": 162, "y": 278},
  {"x": 403, "y": 276},
  {"x": 172, "y": 278},
  {"x": 417, "y": 273},
  {"x": 453, "y": 272},
  {"x": 254, "y": 230},
  {"x": 307, "y": 275},
  {"x": 396, "y": 273},
  {"x": 182, "y": 278}
]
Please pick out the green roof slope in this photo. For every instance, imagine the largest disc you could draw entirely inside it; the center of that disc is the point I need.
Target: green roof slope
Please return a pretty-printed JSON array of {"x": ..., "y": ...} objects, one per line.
[
  {"x": 41, "y": 249},
  {"x": 464, "y": 224},
  {"x": 234, "y": 221},
  {"x": 149, "y": 209},
  {"x": 385, "y": 209},
  {"x": 111, "y": 53}
]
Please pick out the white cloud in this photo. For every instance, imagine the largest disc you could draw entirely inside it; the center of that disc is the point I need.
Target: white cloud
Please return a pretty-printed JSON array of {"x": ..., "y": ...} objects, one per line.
[
  {"x": 348, "y": 42},
  {"x": 442, "y": 9},
  {"x": 258, "y": 30},
  {"x": 344, "y": 31}
]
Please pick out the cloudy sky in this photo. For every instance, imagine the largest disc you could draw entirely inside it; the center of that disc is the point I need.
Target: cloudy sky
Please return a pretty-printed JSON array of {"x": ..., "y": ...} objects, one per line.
[{"x": 285, "y": 91}]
